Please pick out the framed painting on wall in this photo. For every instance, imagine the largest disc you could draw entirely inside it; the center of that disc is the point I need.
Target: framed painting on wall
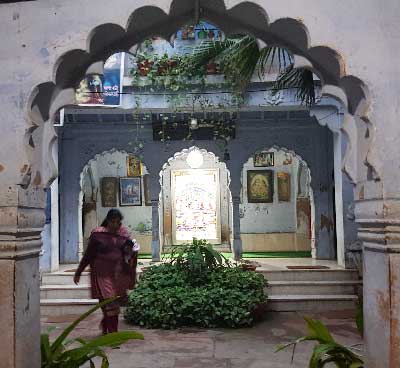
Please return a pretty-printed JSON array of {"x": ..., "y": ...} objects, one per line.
[
  {"x": 130, "y": 192},
  {"x": 260, "y": 186},
  {"x": 263, "y": 159},
  {"x": 133, "y": 166},
  {"x": 108, "y": 191},
  {"x": 283, "y": 179}
]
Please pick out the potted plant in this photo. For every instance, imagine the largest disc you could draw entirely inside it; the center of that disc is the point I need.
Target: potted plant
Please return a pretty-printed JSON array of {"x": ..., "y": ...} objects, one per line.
[{"x": 248, "y": 265}]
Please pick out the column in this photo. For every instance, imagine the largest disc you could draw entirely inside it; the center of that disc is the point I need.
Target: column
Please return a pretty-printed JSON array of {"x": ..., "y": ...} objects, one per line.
[
  {"x": 155, "y": 243},
  {"x": 55, "y": 236},
  {"x": 237, "y": 241},
  {"x": 21, "y": 222},
  {"x": 337, "y": 160},
  {"x": 381, "y": 278}
]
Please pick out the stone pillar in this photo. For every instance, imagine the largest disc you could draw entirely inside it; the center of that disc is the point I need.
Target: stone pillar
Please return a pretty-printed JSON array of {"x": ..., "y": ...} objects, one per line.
[
  {"x": 237, "y": 241},
  {"x": 21, "y": 222},
  {"x": 381, "y": 254},
  {"x": 55, "y": 236},
  {"x": 337, "y": 161},
  {"x": 155, "y": 243}
]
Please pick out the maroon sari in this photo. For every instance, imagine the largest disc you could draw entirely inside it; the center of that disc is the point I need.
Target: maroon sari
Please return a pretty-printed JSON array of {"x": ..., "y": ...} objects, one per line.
[{"x": 110, "y": 274}]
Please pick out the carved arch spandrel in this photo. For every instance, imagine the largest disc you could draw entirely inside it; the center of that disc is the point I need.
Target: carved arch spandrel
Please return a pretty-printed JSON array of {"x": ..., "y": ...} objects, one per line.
[{"x": 106, "y": 39}]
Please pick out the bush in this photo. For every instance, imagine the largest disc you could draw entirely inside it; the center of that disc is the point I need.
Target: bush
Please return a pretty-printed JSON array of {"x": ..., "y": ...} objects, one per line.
[{"x": 168, "y": 296}]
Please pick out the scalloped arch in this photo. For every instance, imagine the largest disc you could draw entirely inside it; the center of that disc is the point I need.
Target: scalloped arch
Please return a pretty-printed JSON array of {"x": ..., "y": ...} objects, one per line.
[
  {"x": 97, "y": 156},
  {"x": 285, "y": 150},
  {"x": 185, "y": 152},
  {"x": 146, "y": 21}
]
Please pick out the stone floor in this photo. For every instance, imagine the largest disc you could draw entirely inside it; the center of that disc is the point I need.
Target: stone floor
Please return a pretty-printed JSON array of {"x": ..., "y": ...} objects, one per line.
[{"x": 217, "y": 348}]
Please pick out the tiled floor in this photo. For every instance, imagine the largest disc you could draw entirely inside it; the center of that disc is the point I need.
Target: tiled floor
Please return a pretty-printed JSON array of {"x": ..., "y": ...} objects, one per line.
[{"x": 217, "y": 348}]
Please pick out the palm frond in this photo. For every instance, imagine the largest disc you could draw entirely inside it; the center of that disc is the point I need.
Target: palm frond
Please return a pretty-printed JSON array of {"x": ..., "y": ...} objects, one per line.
[
  {"x": 271, "y": 54},
  {"x": 299, "y": 79}
]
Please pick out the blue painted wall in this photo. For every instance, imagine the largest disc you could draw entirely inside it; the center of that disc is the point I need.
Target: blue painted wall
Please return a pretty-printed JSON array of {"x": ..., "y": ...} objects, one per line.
[{"x": 294, "y": 130}]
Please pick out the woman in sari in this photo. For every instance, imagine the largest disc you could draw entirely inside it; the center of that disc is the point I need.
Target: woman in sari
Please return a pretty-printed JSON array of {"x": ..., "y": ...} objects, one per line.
[{"x": 112, "y": 257}]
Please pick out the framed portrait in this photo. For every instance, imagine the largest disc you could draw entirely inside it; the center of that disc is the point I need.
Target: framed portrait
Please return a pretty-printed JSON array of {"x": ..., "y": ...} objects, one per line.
[
  {"x": 108, "y": 191},
  {"x": 260, "y": 186},
  {"x": 133, "y": 166},
  {"x": 263, "y": 159},
  {"x": 283, "y": 179},
  {"x": 146, "y": 190},
  {"x": 130, "y": 192}
]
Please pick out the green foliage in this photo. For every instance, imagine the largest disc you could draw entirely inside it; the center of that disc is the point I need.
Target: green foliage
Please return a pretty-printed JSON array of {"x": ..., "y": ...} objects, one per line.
[
  {"x": 199, "y": 287},
  {"x": 197, "y": 259},
  {"x": 173, "y": 73},
  {"x": 165, "y": 299},
  {"x": 327, "y": 350},
  {"x": 59, "y": 354}
]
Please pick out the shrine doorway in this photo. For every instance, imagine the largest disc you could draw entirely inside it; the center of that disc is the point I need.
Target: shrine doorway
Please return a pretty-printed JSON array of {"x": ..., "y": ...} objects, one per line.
[
  {"x": 195, "y": 200},
  {"x": 277, "y": 206}
]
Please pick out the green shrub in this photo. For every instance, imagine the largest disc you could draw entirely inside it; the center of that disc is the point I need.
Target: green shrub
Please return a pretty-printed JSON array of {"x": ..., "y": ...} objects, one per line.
[
  {"x": 166, "y": 297},
  {"x": 197, "y": 260}
]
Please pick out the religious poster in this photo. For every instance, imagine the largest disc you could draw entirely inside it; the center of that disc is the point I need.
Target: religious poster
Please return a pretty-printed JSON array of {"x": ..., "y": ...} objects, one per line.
[
  {"x": 108, "y": 191},
  {"x": 103, "y": 89},
  {"x": 133, "y": 166},
  {"x": 260, "y": 186},
  {"x": 263, "y": 159},
  {"x": 283, "y": 179},
  {"x": 130, "y": 192},
  {"x": 195, "y": 205}
]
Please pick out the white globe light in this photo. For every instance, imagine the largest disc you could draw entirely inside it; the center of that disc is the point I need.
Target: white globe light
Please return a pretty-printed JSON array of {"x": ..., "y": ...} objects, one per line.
[{"x": 194, "y": 159}]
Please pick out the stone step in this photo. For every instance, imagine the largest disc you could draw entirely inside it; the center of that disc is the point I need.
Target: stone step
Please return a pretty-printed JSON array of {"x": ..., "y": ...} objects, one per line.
[
  {"x": 65, "y": 291},
  {"x": 311, "y": 303},
  {"x": 64, "y": 278},
  {"x": 309, "y": 275},
  {"x": 343, "y": 287},
  {"x": 63, "y": 307}
]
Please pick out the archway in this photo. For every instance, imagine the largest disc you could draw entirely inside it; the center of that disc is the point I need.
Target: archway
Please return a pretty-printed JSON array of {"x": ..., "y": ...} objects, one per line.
[
  {"x": 118, "y": 171},
  {"x": 195, "y": 200},
  {"x": 289, "y": 32},
  {"x": 280, "y": 217}
]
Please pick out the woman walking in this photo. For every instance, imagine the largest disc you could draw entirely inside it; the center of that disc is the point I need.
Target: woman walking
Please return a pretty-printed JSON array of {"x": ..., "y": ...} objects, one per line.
[{"x": 112, "y": 257}]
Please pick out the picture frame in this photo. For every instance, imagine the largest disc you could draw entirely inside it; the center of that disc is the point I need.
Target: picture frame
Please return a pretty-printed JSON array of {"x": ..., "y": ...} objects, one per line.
[
  {"x": 130, "y": 191},
  {"x": 260, "y": 186},
  {"x": 146, "y": 190},
  {"x": 108, "y": 191},
  {"x": 283, "y": 181},
  {"x": 263, "y": 159},
  {"x": 133, "y": 166}
]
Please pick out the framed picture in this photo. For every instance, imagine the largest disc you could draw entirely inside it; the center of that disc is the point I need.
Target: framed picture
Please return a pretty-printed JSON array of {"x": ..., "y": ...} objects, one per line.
[
  {"x": 133, "y": 166},
  {"x": 130, "y": 192},
  {"x": 260, "y": 186},
  {"x": 108, "y": 191},
  {"x": 263, "y": 159},
  {"x": 146, "y": 190},
  {"x": 283, "y": 179}
]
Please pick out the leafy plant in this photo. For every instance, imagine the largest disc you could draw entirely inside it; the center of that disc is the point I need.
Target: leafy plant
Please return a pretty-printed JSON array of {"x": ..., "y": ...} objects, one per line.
[
  {"x": 197, "y": 260},
  {"x": 165, "y": 298},
  {"x": 59, "y": 355},
  {"x": 327, "y": 350}
]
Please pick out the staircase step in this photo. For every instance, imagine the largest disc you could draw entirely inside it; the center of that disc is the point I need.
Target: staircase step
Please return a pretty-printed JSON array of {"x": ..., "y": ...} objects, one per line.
[
  {"x": 308, "y": 275},
  {"x": 62, "y": 307},
  {"x": 65, "y": 291},
  {"x": 342, "y": 287},
  {"x": 64, "y": 278},
  {"x": 311, "y": 303}
]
